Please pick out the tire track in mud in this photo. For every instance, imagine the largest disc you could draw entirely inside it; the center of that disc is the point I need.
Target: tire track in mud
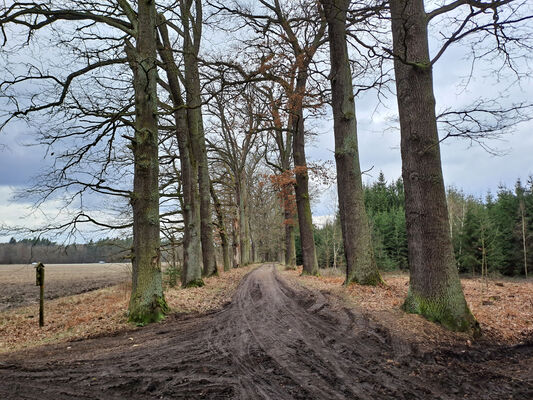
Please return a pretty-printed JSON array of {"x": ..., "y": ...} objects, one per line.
[{"x": 272, "y": 342}]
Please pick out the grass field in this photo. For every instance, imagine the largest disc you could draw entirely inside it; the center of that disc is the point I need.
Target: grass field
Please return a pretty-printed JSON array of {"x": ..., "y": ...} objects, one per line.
[{"x": 17, "y": 281}]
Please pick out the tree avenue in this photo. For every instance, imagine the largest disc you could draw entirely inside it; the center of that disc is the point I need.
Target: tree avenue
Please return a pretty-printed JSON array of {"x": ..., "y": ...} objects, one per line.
[{"x": 193, "y": 120}]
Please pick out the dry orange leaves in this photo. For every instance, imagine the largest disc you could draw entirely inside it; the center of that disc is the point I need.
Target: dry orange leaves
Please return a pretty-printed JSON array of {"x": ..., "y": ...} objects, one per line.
[{"x": 503, "y": 307}]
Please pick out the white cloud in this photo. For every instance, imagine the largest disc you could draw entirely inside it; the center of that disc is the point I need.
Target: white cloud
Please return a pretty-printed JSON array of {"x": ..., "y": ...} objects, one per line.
[{"x": 21, "y": 213}]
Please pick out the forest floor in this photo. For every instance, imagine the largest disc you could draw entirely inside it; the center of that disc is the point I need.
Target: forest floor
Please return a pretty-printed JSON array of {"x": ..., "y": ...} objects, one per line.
[
  {"x": 502, "y": 306},
  {"x": 276, "y": 339}
]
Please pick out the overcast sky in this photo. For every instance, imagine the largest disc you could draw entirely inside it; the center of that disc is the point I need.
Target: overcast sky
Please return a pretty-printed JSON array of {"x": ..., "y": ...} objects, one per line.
[{"x": 466, "y": 166}]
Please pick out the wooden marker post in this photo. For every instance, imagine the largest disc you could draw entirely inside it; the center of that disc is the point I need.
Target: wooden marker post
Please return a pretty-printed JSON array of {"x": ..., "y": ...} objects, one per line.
[{"x": 39, "y": 281}]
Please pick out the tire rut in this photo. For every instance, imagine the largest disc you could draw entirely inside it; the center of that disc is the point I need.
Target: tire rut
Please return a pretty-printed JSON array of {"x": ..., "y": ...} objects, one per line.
[{"x": 272, "y": 342}]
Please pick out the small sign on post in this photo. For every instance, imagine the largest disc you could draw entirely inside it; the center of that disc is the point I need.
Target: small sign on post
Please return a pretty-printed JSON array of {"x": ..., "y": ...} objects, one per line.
[{"x": 39, "y": 281}]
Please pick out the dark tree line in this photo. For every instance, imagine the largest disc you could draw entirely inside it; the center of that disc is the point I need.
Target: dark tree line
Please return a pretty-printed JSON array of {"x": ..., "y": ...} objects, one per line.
[
  {"x": 494, "y": 235},
  {"x": 491, "y": 236},
  {"x": 43, "y": 250}
]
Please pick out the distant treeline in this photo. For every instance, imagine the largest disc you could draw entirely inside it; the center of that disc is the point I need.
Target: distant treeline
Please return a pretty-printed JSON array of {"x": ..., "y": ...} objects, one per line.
[
  {"x": 45, "y": 251},
  {"x": 495, "y": 232}
]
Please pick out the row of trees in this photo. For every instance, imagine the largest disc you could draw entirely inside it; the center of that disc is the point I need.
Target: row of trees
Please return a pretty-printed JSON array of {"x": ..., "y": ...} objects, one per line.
[
  {"x": 46, "y": 251},
  {"x": 180, "y": 133},
  {"x": 493, "y": 235}
]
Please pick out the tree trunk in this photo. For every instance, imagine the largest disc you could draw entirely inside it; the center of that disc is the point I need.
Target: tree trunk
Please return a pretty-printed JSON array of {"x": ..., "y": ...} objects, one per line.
[
  {"x": 196, "y": 131},
  {"x": 290, "y": 245},
  {"x": 253, "y": 247},
  {"x": 221, "y": 230},
  {"x": 147, "y": 303},
  {"x": 192, "y": 249},
  {"x": 284, "y": 144},
  {"x": 301, "y": 188},
  {"x": 360, "y": 262},
  {"x": 236, "y": 243},
  {"x": 434, "y": 289},
  {"x": 244, "y": 232},
  {"x": 524, "y": 242}
]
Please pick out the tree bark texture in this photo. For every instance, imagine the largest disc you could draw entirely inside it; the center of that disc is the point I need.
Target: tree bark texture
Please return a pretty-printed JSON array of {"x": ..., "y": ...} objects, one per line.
[
  {"x": 196, "y": 131},
  {"x": 192, "y": 248},
  {"x": 360, "y": 262},
  {"x": 236, "y": 244},
  {"x": 244, "y": 231},
  {"x": 147, "y": 303},
  {"x": 301, "y": 188},
  {"x": 434, "y": 289},
  {"x": 290, "y": 244},
  {"x": 221, "y": 230}
]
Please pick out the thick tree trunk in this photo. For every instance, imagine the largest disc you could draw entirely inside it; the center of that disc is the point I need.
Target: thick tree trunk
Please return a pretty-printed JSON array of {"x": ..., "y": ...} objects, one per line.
[
  {"x": 301, "y": 189},
  {"x": 192, "y": 249},
  {"x": 196, "y": 131},
  {"x": 435, "y": 289},
  {"x": 360, "y": 263},
  {"x": 221, "y": 230},
  {"x": 147, "y": 303}
]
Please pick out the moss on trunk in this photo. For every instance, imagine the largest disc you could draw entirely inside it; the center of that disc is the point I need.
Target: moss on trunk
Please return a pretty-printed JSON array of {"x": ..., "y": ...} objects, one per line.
[
  {"x": 147, "y": 303},
  {"x": 195, "y": 283},
  {"x": 434, "y": 288},
  {"x": 146, "y": 312},
  {"x": 452, "y": 313}
]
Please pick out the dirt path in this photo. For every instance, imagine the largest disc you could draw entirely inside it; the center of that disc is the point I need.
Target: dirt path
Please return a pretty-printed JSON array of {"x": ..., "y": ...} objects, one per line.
[{"x": 271, "y": 342}]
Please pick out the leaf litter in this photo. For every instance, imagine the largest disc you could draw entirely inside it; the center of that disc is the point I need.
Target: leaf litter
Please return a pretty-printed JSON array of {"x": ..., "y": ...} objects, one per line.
[{"x": 503, "y": 306}]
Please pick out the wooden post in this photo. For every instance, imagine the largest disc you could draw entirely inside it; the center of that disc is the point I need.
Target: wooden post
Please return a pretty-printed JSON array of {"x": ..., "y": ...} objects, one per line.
[{"x": 39, "y": 281}]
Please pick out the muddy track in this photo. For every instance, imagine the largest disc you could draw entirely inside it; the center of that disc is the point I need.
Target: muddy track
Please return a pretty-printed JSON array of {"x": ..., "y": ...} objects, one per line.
[{"x": 271, "y": 342}]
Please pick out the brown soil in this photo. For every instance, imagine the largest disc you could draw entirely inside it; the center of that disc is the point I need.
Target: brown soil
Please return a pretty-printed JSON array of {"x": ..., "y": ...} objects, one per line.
[
  {"x": 275, "y": 341},
  {"x": 18, "y": 281}
]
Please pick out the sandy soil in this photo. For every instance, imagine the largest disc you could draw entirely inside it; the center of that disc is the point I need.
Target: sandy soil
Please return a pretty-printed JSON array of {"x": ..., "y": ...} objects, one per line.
[
  {"x": 18, "y": 281},
  {"x": 273, "y": 341}
]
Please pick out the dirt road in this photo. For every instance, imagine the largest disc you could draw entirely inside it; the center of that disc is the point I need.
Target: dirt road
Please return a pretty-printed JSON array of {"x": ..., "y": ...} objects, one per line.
[{"x": 271, "y": 342}]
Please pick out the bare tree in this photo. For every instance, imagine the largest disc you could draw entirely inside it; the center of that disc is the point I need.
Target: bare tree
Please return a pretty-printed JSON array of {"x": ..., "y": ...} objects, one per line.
[
  {"x": 360, "y": 262},
  {"x": 192, "y": 20},
  {"x": 236, "y": 126},
  {"x": 192, "y": 245},
  {"x": 287, "y": 38},
  {"x": 147, "y": 302},
  {"x": 281, "y": 139},
  {"x": 435, "y": 290}
]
